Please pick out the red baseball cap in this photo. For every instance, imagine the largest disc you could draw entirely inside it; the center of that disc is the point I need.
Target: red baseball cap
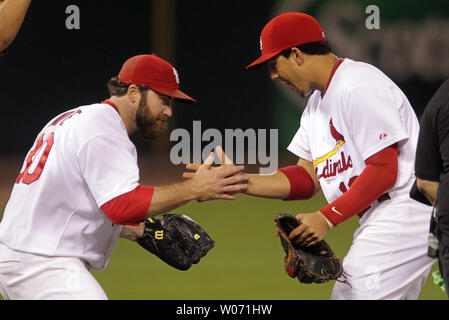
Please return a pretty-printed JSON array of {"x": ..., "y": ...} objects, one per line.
[
  {"x": 153, "y": 72},
  {"x": 286, "y": 31}
]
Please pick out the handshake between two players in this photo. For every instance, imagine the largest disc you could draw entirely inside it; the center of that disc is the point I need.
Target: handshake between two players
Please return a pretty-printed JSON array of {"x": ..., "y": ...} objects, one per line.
[{"x": 274, "y": 186}]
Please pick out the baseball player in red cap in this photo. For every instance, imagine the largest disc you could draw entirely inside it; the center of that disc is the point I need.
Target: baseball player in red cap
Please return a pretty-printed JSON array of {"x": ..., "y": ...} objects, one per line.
[
  {"x": 12, "y": 13},
  {"x": 78, "y": 189},
  {"x": 356, "y": 142}
]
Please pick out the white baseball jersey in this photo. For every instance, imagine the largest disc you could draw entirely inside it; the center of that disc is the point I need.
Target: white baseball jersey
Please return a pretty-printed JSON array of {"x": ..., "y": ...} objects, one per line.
[
  {"x": 80, "y": 160},
  {"x": 361, "y": 113}
]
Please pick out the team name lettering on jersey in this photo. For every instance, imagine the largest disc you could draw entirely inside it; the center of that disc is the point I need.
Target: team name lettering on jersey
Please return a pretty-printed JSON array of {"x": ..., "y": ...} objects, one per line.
[{"x": 332, "y": 168}]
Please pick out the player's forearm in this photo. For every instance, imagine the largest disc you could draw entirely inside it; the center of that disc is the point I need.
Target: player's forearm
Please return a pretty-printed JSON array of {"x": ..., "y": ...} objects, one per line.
[
  {"x": 376, "y": 179},
  {"x": 166, "y": 198},
  {"x": 144, "y": 202},
  {"x": 429, "y": 189},
  {"x": 274, "y": 186},
  {"x": 12, "y": 13}
]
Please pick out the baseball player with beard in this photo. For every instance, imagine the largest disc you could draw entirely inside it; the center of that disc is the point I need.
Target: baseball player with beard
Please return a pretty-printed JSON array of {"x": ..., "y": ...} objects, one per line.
[
  {"x": 78, "y": 189},
  {"x": 356, "y": 142},
  {"x": 12, "y": 13}
]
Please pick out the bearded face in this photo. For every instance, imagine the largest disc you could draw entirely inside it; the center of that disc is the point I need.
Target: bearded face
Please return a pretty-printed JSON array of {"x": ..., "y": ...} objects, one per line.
[{"x": 150, "y": 126}]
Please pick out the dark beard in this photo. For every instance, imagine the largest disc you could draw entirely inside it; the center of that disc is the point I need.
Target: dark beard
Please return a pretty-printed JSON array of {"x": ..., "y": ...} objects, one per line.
[{"x": 150, "y": 127}]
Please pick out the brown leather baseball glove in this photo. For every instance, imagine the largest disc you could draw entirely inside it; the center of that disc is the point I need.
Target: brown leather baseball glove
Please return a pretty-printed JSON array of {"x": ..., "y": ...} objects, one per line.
[{"x": 313, "y": 264}]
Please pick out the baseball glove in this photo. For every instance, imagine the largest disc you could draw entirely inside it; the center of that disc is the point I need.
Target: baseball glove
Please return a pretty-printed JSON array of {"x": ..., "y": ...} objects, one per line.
[
  {"x": 176, "y": 239},
  {"x": 316, "y": 263}
]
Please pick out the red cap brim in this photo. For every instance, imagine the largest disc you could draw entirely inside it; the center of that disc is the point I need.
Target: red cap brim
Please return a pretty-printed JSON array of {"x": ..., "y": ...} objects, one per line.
[
  {"x": 263, "y": 59},
  {"x": 177, "y": 94}
]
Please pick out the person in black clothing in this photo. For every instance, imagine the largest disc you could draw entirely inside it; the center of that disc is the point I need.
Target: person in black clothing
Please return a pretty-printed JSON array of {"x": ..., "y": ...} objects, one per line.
[{"x": 432, "y": 173}]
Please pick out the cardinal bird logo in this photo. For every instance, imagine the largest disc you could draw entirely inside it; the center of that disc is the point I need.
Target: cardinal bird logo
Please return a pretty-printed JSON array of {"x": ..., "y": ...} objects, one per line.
[
  {"x": 332, "y": 166},
  {"x": 335, "y": 134}
]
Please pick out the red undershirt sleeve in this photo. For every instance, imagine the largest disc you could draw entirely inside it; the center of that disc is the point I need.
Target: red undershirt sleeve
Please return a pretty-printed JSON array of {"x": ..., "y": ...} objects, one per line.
[
  {"x": 129, "y": 208},
  {"x": 302, "y": 186},
  {"x": 379, "y": 175}
]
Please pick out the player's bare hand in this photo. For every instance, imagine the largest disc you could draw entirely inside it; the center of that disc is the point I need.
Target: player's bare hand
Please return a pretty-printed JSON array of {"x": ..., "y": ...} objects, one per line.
[
  {"x": 225, "y": 163},
  {"x": 192, "y": 167},
  {"x": 313, "y": 229},
  {"x": 223, "y": 182}
]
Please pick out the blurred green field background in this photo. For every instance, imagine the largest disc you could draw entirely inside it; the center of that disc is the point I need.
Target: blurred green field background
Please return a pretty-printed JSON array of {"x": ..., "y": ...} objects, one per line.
[{"x": 246, "y": 263}]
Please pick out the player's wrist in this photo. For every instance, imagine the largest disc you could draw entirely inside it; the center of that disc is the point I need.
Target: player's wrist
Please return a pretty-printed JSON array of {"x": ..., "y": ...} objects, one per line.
[
  {"x": 189, "y": 190},
  {"x": 323, "y": 217},
  {"x": 302, "y": 186},
  {"x": 132, "y": 232}
]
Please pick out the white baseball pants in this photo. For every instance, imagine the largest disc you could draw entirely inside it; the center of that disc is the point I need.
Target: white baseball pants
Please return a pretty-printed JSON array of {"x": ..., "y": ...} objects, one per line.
[
  {"x": 25, "y": 276},
  {"x": 388, "y": 257}
]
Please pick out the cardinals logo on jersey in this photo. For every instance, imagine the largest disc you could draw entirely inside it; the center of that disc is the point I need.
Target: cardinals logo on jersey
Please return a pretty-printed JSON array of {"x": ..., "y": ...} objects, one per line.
[
  {"x": 332, "y": 167},
  {"x": 335, "y": 134}
]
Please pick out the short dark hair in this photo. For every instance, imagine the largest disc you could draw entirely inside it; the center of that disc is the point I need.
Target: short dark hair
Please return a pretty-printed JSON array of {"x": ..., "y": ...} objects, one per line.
[
  {"x": 313, "y": 48},
  {"x": 119, "y": 88}
]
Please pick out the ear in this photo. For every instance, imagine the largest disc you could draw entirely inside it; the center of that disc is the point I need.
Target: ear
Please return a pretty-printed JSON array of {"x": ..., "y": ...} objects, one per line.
[
  {"x": 133, "y": 93},
  {"x": 298, "y": 55}
]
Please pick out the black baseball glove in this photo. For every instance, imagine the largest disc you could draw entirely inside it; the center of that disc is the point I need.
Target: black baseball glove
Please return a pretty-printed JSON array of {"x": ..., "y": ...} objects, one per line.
[
  {"x": 313, "y": 264},
  {"x": 176, "y": 239}
]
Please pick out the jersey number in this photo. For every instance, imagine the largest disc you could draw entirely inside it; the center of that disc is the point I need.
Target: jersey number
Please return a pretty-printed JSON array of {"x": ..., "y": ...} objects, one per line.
[
  {"x": 36, "y": 159},
  {"x": 343, "y": 188}
]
